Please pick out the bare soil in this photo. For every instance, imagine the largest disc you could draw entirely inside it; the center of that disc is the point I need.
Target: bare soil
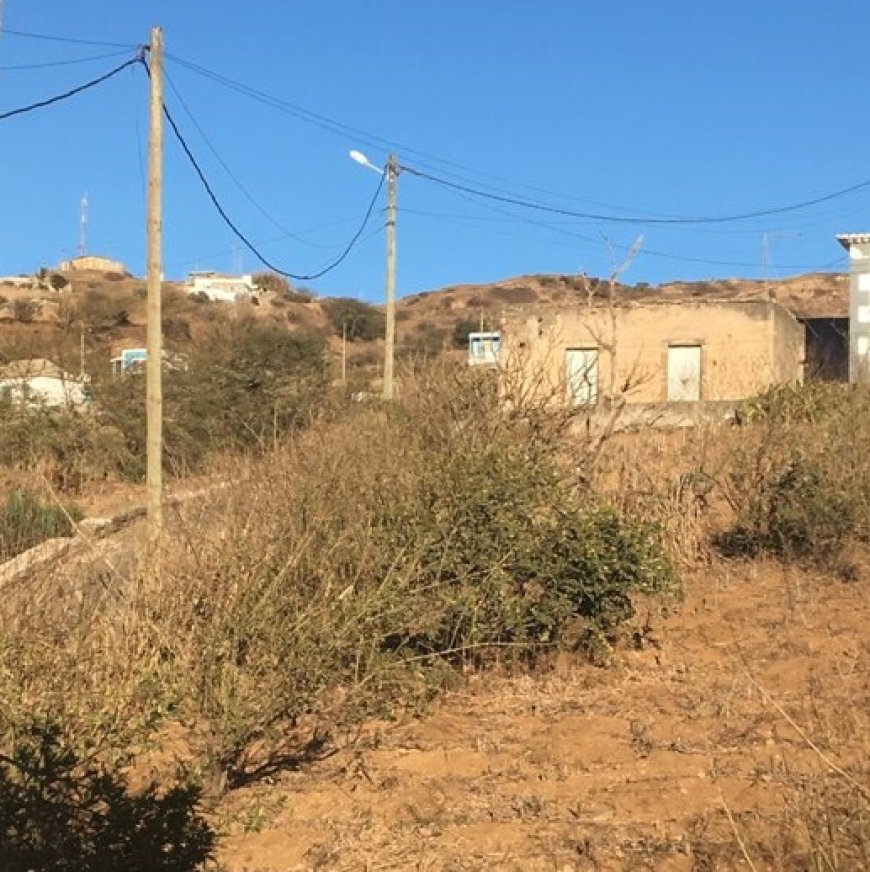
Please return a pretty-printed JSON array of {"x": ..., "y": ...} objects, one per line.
[{"x": 757, "y": 683}]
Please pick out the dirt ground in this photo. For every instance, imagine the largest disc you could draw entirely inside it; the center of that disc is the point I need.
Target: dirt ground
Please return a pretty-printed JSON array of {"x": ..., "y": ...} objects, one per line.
[{"x": 667, "y": 760}]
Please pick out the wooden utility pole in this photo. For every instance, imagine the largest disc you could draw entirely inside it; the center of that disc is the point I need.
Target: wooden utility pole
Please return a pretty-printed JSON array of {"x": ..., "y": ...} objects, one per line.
[
  {"x": 154, "y": 339},
  {"x": 390, "y": 337},
  {"x": 344, "y": 353}
]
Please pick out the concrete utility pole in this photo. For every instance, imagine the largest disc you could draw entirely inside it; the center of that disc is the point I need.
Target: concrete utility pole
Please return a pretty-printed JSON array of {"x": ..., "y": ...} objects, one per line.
[
  {"x": 154, "y": 339},
  {"x": 390, "y": 337}
]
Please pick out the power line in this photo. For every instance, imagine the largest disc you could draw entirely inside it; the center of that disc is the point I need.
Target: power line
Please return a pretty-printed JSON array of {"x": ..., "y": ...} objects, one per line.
[
  {"x": 247, "y": 194},
  {"x": 41, "y": 104},
  {"x": 604, "y": 243},
  {"x": 625, "y": 219},
  {"x": 226, "y": 251},
  {"x": 67, "y": 39},
  {"x": 239, "y": 234},
  {"x": 337, "y": 127},
  {"x": 68, "y": 63}
]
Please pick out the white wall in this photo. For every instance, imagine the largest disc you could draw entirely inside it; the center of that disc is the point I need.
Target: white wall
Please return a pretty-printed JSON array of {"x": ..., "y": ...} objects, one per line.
[{"x": 50, "y": 390}]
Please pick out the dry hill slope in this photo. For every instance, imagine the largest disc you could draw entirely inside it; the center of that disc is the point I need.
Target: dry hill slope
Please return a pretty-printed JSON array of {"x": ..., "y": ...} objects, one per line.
[{"x": 638, "y": 767}]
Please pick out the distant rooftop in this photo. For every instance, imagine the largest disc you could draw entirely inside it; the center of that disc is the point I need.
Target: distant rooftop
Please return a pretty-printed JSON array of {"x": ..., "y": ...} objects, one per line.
[{"x": 847, "y": 239}]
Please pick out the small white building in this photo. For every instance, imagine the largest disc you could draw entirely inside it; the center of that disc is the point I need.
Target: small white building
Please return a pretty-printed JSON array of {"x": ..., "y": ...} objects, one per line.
[
  {"x": 132, "y": 361},
  {"x": 220, "y": 287},
  {"x": 484, "y": 348},
  {"x": 39, "y": 382}
]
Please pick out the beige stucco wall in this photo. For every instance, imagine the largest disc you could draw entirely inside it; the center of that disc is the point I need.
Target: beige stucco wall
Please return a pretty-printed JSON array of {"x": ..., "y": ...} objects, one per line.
[
  {"x": 92, "y": 262},
  {"x": 745, "y": 346},
  {"x": 789, "y": 346}
]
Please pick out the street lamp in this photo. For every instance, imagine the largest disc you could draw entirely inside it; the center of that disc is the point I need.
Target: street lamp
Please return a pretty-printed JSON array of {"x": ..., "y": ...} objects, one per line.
[{"x": 392, "y": 174}]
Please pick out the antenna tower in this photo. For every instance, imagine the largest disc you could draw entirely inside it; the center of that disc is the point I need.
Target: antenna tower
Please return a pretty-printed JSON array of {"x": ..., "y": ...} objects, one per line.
[{"x": 83, "y": 228}]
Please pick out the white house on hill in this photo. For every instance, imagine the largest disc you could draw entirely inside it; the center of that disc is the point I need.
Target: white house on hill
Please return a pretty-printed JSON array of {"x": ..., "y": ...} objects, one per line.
[
  {"x": 37, "y": 381},
  {"x": 220, "y": 287}
]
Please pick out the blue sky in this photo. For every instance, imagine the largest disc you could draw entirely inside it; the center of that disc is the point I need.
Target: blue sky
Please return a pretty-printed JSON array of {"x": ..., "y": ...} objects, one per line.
[{"x": 626, "y": 108}]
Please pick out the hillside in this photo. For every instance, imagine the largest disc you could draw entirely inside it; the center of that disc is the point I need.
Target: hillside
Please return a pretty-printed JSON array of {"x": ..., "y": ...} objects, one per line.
[
  {"x": 424, "y": 314},
  {"x": 46, "y": 318}
]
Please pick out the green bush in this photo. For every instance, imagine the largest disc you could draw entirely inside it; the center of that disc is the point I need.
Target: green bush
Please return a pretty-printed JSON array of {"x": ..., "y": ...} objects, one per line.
[
  {"x": 799, "y": 479},
  {"x": 514, "y": 556},
  {"x": 379, "y": 550},
  {"x": 356, "y": 319},
  {"x": 62, "y": 811},
  {"x": 796, "y": 513},
  {"x": 68, "y": 447},
  {"x": 25, "y": 522},
  {"x": 244, "y": 386},
  {"x": 461, "y": 330}
]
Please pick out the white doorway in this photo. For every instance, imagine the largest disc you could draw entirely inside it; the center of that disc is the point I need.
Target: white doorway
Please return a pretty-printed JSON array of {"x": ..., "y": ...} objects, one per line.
[
  {"x": 581, "y": 370},
  {"x": 684, "y": 373}
]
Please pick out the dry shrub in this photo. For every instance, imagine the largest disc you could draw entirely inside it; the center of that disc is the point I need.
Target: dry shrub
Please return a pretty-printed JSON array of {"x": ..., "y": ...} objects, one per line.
[
  {"x": 25, "y": 521},
  {"x": 381, "y": 547},
  {"x": 68, "y": 448},
  {"x": 799, "y": 478},
  {"x": 62, "y": 810},
  {"x": 514, "y": 295},
  {"x": 819, "y": 821},
  {"x": 353, "y": 571},
  {"x": 668, "y": 478}
]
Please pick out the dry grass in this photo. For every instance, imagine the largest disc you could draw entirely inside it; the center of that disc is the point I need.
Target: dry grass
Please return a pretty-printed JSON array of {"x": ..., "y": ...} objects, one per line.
[{"x": 350, "y": 572}]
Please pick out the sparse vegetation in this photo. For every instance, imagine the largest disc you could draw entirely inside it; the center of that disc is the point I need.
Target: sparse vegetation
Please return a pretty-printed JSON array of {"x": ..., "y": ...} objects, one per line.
[
  {"x": 342, "y": 583},
  {"x": 272, "y": 283},
  {"x": 798, "y": 481},
  {"x": 461, "y": 330},
  {"x": 60, "y": 809},
  {"x": 354, "y": 318},
  {"x": 24, "y": 311},
  {"x": 369, "y": 554},
  {"x": 25, "y": 521}
]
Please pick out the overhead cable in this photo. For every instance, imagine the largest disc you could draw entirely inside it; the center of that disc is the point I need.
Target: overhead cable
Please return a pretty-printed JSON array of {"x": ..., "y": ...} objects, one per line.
[
  {"x": 48, "y": 64},
  {"x": 67, "y": 39},
  {"x": 334, "y": 126},
  {"x": 627, "y": 219},
  {"x": 338, "y": 128},
  {"x": 238, "y": 183},
  {"x": 41, "y": 104},
  {"x": 240, "y": 235}
]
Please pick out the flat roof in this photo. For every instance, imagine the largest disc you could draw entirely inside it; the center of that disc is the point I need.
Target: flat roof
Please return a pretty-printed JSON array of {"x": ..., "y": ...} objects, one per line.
[{"x": 847, "y": 239}]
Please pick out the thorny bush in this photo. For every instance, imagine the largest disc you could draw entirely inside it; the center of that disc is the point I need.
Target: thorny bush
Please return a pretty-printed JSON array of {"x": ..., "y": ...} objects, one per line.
[{"x": 352, "y": 572}]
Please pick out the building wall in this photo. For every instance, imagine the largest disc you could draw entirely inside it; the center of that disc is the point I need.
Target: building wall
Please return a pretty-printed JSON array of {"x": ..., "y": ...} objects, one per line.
[
  {"x": 745, "y": 346},
  {"x": 50, "y": 390},
  {"x": 859, "y": 312},
  {"x": 223, "y": 289},
  {"x": 89, "y": 262},
  {"x": 789, "y": 343}
]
